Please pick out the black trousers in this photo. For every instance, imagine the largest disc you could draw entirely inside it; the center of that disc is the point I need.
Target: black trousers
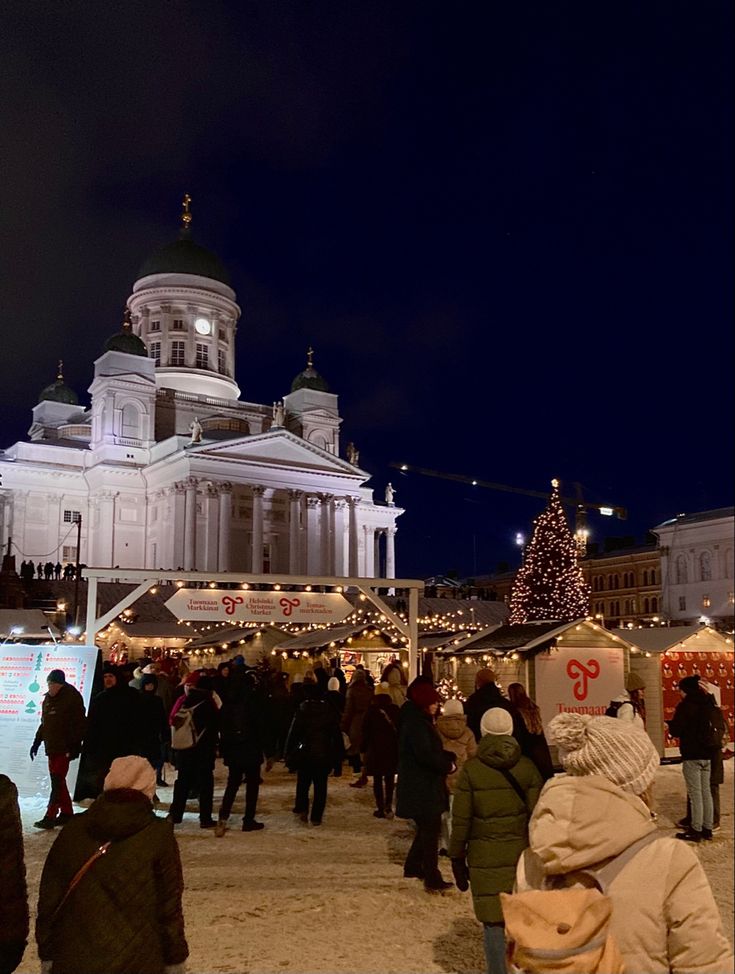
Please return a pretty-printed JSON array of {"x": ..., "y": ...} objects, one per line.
[
  {"x": 384, "y": 798},
  {"x": 423, "y": 856},
  {"x": 196, "y": 770},
  {"x": 308, "y": 774},
  {"x": 236, "y": 774}
]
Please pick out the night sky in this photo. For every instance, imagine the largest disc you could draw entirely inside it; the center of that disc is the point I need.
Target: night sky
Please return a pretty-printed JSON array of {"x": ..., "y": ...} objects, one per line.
[{"x": 506, "y": 229}]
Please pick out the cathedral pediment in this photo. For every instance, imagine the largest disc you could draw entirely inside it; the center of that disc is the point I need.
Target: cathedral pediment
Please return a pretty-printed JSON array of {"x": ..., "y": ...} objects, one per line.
[{"x": 275, "y": 448}]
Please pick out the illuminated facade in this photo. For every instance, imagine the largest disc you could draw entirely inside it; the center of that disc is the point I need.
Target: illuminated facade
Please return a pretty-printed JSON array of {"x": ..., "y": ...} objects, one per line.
[{"x": 170, "y": 468}]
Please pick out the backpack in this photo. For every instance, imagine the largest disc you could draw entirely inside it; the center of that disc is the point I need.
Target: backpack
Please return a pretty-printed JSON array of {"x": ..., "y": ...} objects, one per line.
[
  {"x": 711, "y": 729},
  {"x": 183, "y": 730},
  {"x": 567, "y": 930}
]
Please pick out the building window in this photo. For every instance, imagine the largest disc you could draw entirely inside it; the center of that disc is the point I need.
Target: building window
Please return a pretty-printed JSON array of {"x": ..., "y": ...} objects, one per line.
[
  {"x": 69, "y": 553},
  {"x": 645, "y": 577},
  {"x": 681, "y": 574},
  {"x": 653, "y": 576},
  {"x": 654, "y": 604},
  {"x": 155, "y": 326},
  {"x": 202, "y": 358},
  {"x": 177, "y": 324},
  {"x": 154, "y": 352},
  {"x": 178, "y": 353},
  {"x": 731, "y": 598},
  {"x": 706, "y": 601},
  {"x": 223, "y": 334},
  {"x": 705, "y": 566},
  {"x": 222, "y": 361},
  {"x": 682, "y": 603},
  {"x": 72, "y": 517},
  {"x": 646, "y": 607}
]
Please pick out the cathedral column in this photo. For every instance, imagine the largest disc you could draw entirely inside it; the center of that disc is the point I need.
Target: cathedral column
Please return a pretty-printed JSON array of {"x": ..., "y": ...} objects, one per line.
[
  {"x": 325, "y": 529},
  {"x": 105, "y": 543},
  {"x": 294, "y": 531},
  {"x": 340, "y": 525},
  {"x": 313, "y": 553},
  {"x": 190, "y": 524},
  {"x": 368, "y": 535},
  {"x": 257, "y": 533},
  {"x": 211, "y": 523},
  {"x": 354, "y": 563},
  {"x": 176, "y": 525},
  {"x": 376, "y": 553},
  {"x": 225, "y": 526},
  {"x": 390, "y": 553}
]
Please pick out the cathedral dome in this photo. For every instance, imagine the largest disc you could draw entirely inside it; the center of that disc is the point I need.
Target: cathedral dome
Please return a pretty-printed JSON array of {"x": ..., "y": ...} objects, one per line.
[
  {"x": 309, "y": 378},
  {"x": 59, "y": 391},
  {"x": 126, "y": 341},
  {"x": 183, "y": 256}
]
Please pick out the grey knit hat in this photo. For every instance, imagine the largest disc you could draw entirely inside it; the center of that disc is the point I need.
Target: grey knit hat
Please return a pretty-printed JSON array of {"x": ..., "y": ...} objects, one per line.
[{"x": 616, "y": 749}]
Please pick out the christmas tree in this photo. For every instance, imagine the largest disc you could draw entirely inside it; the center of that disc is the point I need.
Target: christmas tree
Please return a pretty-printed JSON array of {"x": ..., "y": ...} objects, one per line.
[{"x": 550, "y": 584}]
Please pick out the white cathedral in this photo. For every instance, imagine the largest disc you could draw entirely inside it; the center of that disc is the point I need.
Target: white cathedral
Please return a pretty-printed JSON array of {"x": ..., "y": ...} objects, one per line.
[{"x": 169, "y": 468}]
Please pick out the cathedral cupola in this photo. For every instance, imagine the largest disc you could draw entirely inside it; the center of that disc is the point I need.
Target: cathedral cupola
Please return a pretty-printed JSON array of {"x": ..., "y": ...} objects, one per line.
[
  {"x": 59, "y": 391},
  {"x": 125, "y": 340},
  {"x": 185, "y": 314},
  {"x": 309, "y": 378}
]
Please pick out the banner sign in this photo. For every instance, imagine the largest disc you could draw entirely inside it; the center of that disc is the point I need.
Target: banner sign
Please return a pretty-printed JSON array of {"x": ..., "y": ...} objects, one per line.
[
  {"x": 715, "y": 668},
  {"x": 230, "y": 605},
  {"x": 23, "y": 672},
  {"x": 577, "y": 680}
]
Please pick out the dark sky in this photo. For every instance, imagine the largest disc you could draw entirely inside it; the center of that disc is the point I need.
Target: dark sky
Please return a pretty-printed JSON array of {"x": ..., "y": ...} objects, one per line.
[{"x": 506, "y": 228}]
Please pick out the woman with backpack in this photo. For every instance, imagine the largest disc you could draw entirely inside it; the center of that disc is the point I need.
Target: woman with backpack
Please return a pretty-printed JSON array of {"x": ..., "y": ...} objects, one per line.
[
  {"x": 495, "y": 795},
  {"x": 657, "y": 911},
  {"x": 194, "y": 722}
]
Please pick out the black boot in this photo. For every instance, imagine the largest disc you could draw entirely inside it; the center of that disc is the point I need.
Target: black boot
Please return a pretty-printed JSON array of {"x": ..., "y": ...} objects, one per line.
[{"x": 691, "y": 835}]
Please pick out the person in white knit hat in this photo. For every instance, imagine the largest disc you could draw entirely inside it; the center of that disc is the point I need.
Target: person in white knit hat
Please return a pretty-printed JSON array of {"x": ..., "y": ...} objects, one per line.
[{"x": 665, "y": 919}]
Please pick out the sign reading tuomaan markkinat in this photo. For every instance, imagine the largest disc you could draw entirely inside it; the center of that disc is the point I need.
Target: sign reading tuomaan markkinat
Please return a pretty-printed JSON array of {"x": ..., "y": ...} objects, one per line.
[{"x": 228, "y": 605}]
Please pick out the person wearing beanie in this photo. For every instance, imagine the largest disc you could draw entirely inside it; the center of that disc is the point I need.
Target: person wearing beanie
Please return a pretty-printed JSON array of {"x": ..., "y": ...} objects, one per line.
[
  {"x": 114, "y": 726},
  {"x": 457, "y": 737},
  {"x": 423, "y": 766},
  {"x": 358, "y": 699},
  {"x": 313, "y": 744},
  {"x": 14, "y": 923},
  {"x": 493, "y": 800},
  {"x": 379, "y": 744},
  {"x": 61, "y": 731},
  {"x": 393, "y": 676},
  {"x": 125, "y": 913},
  {"x": 700, "y": 727},
  {"x": 664, "y": 917},
  {"x": 153, "y": 725}
]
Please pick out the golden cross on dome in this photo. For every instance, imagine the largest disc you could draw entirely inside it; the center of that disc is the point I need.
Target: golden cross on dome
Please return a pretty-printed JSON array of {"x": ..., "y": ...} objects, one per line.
[
  {"x": 185, "y": 211},
  {"x": 60, "y": 373},
  {"x": 127, "y": 324},
  {"x": 555, "y": 483},
  {"x": 310, "y": 357}
]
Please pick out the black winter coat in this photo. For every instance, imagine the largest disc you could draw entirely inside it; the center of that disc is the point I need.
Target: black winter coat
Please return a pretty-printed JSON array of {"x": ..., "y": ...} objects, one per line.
[
  {"x": 243, "y": 728},
  {"x": 153, "y": 725},
  {"x": 125, "y": 915},
  {"x": 13, "y": 893},
  {"x": 62, "y": 722},
  {"x": 690, "y": 717},
  {"x": 314, "y": 736},
  {"x": 423, "y": 765},
  {"x": 206, "y": 720},
  {"x": 485, "y": 699},
  {"x": 114, "y": 725},
  {"x": 380, "y": 736}
]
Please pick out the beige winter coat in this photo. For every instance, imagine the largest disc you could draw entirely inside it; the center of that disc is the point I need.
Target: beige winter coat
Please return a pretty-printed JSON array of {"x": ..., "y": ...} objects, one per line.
[
  {"x": 396, "y": 689},
  {"x": 665, "y": 919},
  {"x": 457, "y": 737}
]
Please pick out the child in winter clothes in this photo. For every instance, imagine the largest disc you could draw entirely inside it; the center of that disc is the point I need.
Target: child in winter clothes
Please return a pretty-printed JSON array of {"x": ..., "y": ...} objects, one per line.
[{"x": 456, "y": 736}]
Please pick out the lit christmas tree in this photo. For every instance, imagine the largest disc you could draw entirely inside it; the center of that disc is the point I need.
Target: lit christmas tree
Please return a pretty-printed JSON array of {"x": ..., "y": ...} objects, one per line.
[{"x": 550, "y": 584}]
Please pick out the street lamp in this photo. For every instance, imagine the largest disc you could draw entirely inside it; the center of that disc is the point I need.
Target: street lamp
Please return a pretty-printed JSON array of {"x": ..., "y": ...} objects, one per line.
[
  {"x": 521, "y": 542},
  {"x": 13, "y": 631}
]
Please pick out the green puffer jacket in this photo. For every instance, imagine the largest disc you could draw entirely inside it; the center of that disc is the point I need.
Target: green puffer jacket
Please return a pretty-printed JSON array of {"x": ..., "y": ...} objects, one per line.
[
  {"x": 125, "y": 915},
  {"x": 489, "y": 821}
]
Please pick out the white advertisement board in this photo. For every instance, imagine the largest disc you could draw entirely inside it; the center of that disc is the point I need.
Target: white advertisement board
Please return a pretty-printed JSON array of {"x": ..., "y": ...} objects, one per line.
[
  {"x": 231, "y": 605},
  {"x": 23, "y": 672},
  {"x": 578, "y": 680}
]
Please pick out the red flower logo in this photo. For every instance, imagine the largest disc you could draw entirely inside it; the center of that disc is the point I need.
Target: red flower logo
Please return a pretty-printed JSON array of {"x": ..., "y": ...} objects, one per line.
[
  {"x": 229, "y": 602},
  {"x": 288, "y": 605},
  {"x": 582, "y": 674}
]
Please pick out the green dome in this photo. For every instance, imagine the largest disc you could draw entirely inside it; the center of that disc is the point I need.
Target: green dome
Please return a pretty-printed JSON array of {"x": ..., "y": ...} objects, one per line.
[
  {"x": 126, "y": 341},
  {"x": 183, "y": 256},
  {"x": 309, "y": 379},
  {"x": 59, "y": 391}
]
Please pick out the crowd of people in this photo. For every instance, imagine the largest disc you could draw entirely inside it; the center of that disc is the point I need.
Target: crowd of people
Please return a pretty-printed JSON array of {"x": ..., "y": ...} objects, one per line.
[
  {"x": 48, "y": 571},
  {"x": 475, "y": 778}
]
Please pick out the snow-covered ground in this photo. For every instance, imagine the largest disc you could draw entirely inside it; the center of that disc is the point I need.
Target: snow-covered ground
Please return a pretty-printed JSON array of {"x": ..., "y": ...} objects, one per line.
[{"x": 332, "y": 899}]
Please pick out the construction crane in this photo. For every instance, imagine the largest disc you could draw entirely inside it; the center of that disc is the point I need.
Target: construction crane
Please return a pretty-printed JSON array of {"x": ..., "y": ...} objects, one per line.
[{"x": 581, "y": 506}]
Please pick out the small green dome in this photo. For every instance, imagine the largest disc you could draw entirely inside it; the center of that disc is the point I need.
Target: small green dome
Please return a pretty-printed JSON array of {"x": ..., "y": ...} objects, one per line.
[
  {"x": 309, "y": 378},
  {"x": 59, "y": 391},
  {"x": 126, "y": 341},
  {"x": 183, "y": 256}
]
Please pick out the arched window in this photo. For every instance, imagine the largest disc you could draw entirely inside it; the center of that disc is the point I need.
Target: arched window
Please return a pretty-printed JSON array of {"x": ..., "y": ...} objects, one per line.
[
  {"x": 130, "y": 421},
  {"x": 654, "y": 604},
  {"x": 653, "y": 576},
  {"x": 681, "y": 575},
  {"x": 646, "y": 606},
  {"x": 705, "y": 566},
  {"x": 601, "y": 586},
  {"x": 728, "y": 563}
]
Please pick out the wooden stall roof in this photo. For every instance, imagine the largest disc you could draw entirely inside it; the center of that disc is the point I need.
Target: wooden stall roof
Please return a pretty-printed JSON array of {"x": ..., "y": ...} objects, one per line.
[{"x": 664, "y": 638}]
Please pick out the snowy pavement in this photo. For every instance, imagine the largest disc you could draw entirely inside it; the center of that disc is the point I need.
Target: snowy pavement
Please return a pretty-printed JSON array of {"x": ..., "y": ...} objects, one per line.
[{"x": 299, "y": 898}]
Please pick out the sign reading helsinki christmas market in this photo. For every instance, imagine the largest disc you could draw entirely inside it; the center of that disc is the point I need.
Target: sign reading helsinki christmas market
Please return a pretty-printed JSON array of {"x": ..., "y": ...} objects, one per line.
[
  {"x": 242, "y": 606},
  {"x": 23, "y": 672}
]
